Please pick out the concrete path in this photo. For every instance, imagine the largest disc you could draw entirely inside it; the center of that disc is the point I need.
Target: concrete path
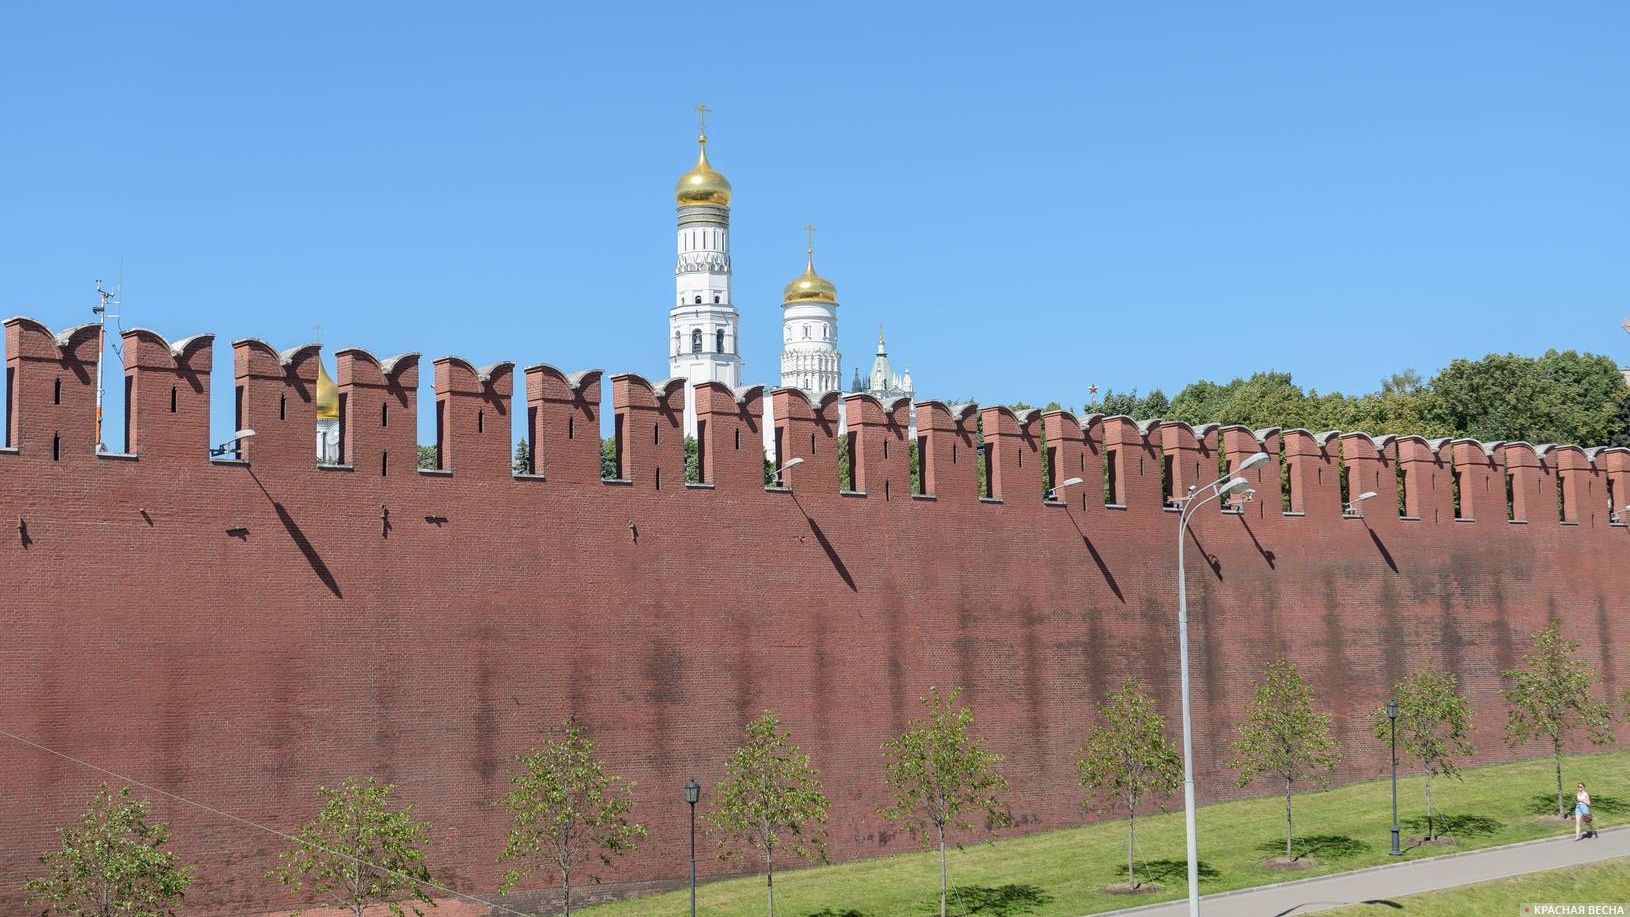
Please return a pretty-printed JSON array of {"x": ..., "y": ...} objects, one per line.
[{"x": 1428, "y": 874}]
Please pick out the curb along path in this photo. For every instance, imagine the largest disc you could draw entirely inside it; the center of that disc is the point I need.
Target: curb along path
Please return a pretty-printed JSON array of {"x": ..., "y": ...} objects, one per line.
[{"x": 1393, "y": 881}]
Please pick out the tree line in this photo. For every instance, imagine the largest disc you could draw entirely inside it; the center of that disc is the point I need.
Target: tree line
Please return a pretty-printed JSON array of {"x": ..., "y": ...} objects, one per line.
[
  {"x": 1559, "y": 397},
  {"x": 570, "y": 816}
]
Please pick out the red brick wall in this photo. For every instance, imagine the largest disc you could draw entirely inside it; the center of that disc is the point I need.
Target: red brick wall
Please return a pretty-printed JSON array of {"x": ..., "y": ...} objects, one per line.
[{"x": 241, "y": 633}]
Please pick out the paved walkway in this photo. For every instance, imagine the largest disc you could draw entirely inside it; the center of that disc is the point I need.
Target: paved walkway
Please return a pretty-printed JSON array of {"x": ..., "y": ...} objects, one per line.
[{"x": 1428, "y": 874}]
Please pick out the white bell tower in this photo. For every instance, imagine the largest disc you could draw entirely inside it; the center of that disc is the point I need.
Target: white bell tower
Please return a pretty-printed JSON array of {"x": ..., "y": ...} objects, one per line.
[
  {"x": 809, "y": 329},
  {"x": 702, "y": 323}
]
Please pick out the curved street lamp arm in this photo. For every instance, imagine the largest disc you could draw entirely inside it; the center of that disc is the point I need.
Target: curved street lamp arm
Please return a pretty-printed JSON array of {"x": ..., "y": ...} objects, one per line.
[{"x": 1194, "y": 502}]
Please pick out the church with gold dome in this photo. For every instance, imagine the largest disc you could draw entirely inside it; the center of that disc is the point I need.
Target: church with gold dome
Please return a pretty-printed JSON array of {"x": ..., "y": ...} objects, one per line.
[
  {"x": 704, "y": 323},
  {"x": 328, "y": 418}
]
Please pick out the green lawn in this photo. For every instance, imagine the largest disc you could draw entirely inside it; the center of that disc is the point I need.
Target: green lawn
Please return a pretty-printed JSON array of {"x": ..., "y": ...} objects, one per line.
[
  {"x": 1599, "y": 883},
  {"x": 1062, "y": 873}
]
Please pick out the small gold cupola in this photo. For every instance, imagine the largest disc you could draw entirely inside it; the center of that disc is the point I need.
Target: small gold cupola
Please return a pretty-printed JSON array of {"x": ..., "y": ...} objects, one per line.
[
  {"x": 328, "y": 395},
  {"x": 703, "y": 184},
  {"x": 810, "y": 286}
]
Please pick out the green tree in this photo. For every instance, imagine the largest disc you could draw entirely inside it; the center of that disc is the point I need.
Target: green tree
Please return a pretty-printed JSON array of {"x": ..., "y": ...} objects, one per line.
[
  {"x": 1621, "y": 427},
  {"x": 770, "y": 799},
  {"x": 358, "y": 851},
  {"x": 1497, "y": 397},
  {"x": 941, "y": 776},
  {"x": 428, "y": 457},
  {"x": 522, "y": 463},
  {"x": 1561, "y": 397},
  {"x": 112, "y": 864},
  {"x": 1268, "y": 399},
  {"x": 1586, "y": 394},
  {"x": 1127, "y": 759},
  {"x": 1284, "y": 738},
  {"x": 1201, "y": 402},
  {"x": 1397, "y": 412},
  {"x": 566, "y": 809},
  {"x": 1264, "y": 399},
  {"x": 1332, "y": 411},
  {"x": 693, "y": 461},
  {"x": 1434, "y": 722},
  {"x": 846, "y": 467},
  {"x": 1550, "y": 698},
  {"x": 1408, "y": 382},
  {"x": 1113, "y": 403},
  {"x": 608, "y": 458},
  {"x": 1154, "y": 406}
]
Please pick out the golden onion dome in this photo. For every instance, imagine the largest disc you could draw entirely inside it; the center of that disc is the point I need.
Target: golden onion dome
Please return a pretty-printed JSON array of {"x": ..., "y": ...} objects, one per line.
[
  {"x": 328, "y": 395},
  {"x": 703, "y": 184},
  {"x": 810, "y": 286}
]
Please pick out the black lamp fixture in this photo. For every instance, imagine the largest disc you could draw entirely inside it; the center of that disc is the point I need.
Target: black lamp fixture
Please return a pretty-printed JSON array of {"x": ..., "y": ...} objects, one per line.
[
  {"x": 1392, "y": 718},
  {"x": 232, "y": 445}
]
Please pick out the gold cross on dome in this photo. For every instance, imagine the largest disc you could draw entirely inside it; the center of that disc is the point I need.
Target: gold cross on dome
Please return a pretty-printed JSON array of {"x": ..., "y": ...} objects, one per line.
[
  {"x": 809, "y": 232},
  {"x": 701, "y": 118}
]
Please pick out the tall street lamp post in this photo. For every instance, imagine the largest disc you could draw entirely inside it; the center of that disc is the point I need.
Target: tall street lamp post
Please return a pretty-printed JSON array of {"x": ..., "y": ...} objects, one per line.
[
  {"x": 693, "y": 793},
  {"x": 1392, "y": 717},
  {"x": 1197, "y": 497}
]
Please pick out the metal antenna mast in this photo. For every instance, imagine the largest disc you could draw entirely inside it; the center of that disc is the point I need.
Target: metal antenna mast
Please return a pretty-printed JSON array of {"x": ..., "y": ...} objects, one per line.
[{"x": 105, "y": 298}]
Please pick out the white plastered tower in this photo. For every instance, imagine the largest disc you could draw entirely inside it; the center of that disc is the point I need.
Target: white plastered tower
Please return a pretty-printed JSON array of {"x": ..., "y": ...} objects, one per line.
[
  {"x": 702, "y": 324},
  {"x": 810, "y": 359}
]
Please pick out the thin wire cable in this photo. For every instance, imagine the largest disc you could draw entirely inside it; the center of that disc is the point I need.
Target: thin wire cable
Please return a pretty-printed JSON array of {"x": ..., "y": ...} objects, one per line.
[{"x": 257, "y": 826}]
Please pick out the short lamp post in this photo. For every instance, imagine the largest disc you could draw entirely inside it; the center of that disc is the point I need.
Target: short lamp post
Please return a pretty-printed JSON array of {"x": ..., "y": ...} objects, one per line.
[
  {"x": 693, "y": 794},
  {"x": 1053, "y": 493},
  {"x": 1353, "y": 509},
  {"x": 231, "y": 445},
  {"x": 1392, "y": 718},
  {"x": 1197, "y": 497},
  {"x": 774, "y": 477}
]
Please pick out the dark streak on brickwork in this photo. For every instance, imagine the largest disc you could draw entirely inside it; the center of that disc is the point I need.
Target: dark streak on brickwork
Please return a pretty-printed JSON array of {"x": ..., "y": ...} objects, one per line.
[
  {"x": 1604, "y": 645},
  {"x": 1395, "y": 651},
  {"x": 1505, "y": 642},
  {"x": 1035, "y": 683},
  {"x": 1451, "y": 644}
]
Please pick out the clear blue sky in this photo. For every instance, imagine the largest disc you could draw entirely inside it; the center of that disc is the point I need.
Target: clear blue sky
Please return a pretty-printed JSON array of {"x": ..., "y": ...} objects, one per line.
[{"x": 1033, "y": 198}]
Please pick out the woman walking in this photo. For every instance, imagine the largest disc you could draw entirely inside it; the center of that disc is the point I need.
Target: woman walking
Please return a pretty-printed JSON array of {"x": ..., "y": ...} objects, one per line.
[{"x": 1581, "y": 814}]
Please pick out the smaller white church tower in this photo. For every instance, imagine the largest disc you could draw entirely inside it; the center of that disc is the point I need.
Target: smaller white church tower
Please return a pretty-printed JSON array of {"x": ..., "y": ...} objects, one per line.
[
  {"x": 809, "y": 330},
  {"x": 883, "y": 384},
  {"x": 702, "y": 322}
]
